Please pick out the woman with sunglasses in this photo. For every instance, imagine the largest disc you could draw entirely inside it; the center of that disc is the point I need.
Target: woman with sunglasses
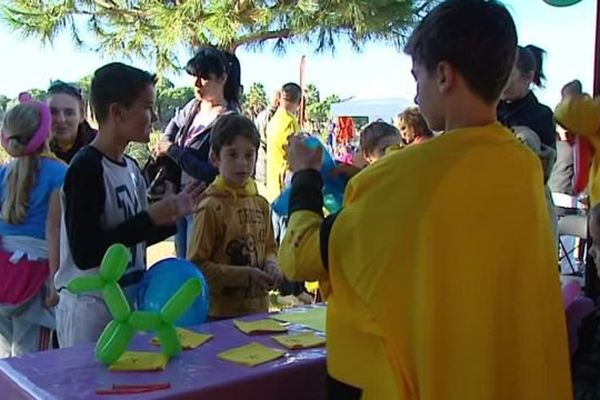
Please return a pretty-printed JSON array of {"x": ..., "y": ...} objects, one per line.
[
  {"x": 186, "y": 140},
  {"x": 70, "y": 130}
]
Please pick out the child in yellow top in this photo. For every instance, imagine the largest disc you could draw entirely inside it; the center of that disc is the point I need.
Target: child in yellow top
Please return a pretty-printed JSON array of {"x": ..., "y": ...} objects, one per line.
[
  {"x": 232, "y": 240},
  {"x": 441, "y": 261},
  {"x": 376, "y": 140},
  {"x": 580, "y": 114},
  {"x": 283, "y": 125}
]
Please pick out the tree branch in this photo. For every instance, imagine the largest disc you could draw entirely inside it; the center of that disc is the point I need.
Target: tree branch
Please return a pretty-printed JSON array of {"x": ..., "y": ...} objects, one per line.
[
  {"x": 261, "y": 37},
  {"x": 111, "y": 6}
]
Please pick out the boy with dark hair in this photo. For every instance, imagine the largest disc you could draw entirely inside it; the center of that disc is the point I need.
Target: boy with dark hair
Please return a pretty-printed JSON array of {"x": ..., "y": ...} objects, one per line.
[
  {"x": 104, "y": 201},
  {"x": 232, "y": 240},
  {"x": 435, "y": 295}
]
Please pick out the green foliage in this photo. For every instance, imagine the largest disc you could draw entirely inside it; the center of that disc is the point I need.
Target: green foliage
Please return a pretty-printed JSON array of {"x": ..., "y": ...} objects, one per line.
[
  {"x": 159, "y": 29},
  {"x": 254, "y": 99},
  {"x": 169, "y": 100},
  {"x": 321, "y": 110},
  {"x": 4, "y": 100},
  {"x": 311, "y": 94},
  {"x": 37, "y": 94},
  {"x": 141, "y": 152}
]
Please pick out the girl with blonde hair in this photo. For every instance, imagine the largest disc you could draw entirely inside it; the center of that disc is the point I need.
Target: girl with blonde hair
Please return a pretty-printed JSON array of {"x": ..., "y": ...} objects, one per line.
[{"x": 29, "y": 229}]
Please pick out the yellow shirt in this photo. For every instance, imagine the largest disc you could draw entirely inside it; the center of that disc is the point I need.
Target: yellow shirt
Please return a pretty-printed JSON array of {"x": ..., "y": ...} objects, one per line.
[
  {"x": 232, "y": 230},
  {"x": 443, "y": 275},
  {"x": 280, "y": 127},
  {"x": 581, "y": 115}
]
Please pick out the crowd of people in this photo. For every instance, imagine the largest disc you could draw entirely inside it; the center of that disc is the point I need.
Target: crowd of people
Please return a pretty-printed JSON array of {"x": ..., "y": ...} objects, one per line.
[{"x": 440, "y": 269}]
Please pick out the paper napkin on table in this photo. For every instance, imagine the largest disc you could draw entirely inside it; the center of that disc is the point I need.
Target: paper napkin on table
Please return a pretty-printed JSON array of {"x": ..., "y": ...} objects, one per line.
[
  {"x": 251, "y": 354},
  {"x": 260, "y": 326}
]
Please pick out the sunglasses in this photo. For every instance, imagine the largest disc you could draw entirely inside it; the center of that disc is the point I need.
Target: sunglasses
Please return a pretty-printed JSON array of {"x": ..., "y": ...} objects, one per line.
[{"x": 64, "y": 87}]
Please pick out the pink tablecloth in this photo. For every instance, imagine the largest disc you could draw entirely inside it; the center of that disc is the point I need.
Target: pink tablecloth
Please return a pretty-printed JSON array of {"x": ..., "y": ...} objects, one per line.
[{"x": 74, "y": 373}]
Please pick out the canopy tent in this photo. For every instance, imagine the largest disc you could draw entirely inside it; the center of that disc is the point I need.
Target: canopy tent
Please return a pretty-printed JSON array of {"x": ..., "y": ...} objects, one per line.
[{"x": 386, "y": 109}]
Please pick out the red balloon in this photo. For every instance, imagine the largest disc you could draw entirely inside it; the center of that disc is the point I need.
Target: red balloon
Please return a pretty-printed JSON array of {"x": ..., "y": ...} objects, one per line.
[{"x": 582, "y": 160}]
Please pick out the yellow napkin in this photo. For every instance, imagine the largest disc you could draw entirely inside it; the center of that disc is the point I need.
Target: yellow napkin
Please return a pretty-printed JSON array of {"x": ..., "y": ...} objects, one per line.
[
  {"x": 260, "y": 326},
  {"x": 251, "y": 354},
  {"x": 140, "y": 361},
  {"x": 189, "y": 339},
  {"x": 300, "y": 340},
  {"x": 313, "y": 317}
]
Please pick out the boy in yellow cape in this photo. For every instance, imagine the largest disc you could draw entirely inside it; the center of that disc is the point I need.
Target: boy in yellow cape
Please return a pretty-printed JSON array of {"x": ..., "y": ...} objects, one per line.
[{"x": 441, "y": 262}]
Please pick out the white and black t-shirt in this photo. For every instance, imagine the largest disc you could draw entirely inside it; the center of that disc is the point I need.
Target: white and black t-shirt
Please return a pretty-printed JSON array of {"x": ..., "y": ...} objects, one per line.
[{"x": 103, "y": 203}]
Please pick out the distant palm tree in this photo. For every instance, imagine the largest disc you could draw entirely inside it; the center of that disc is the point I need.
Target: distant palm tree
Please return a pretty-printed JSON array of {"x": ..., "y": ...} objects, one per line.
[{"x": 255, "y": 100}]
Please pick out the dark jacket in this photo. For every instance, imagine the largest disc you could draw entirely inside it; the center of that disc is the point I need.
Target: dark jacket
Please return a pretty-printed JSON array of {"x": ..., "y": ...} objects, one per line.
[
  {"x": 585, "y": 364},
  {"x": 529, "y": 112},
  {"x": 85, "y": 135},
  {"x": 192, "y": 157}
]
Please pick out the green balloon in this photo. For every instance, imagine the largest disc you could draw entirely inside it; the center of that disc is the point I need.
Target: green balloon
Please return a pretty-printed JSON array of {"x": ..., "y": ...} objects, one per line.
[
  {"x": 169, "y": 340},
  {"x": 561, "y": 3},
  {"x": 113, "y": 342},
  {"x": 116, "y": 301},
  {"x": 145, "y": 320},
  {"x": 116, "y": 344},
  {"x": 114, "y": 262},
  {"x": 85, "y": 284},
  {"x": 181, "y": 300},
  {"x": 104, "y": 338}
]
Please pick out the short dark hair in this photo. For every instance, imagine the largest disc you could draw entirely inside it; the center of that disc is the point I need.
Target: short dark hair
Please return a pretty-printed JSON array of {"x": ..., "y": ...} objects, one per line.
[
  {"x": 531, "y": 59},
  {"x": 291, "y": 92},
  {"x": 117, "y": 83},
  {"x": 477, "y": 37},
  {"x": 373, "y": 132},
  {"x": 230, "y": 126}
]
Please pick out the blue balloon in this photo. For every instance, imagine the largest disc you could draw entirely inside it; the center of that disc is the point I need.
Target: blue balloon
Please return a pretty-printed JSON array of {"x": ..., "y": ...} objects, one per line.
[
  {"x": 161, "y": 282},
  {"x": 333, "y": 188}
]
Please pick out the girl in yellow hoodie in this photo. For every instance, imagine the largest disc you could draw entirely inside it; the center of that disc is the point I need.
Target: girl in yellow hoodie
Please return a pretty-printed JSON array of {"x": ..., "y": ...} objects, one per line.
[{"x": 232, "y": 238}]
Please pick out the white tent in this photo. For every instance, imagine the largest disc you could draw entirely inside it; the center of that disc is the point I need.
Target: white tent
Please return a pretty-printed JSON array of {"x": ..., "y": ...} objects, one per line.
[{"x": 386, "y": 109}]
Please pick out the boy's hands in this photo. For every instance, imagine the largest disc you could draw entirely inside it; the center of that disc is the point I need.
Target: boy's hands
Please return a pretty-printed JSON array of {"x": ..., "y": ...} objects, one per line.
[
  {"x": 259, "y": 282},
  {"x": 275, "y": 273},
  {"x": 173, "y": 207},
  {"x": 162, "y": 147},
  {"x": 259, "y": 279},
  {"x": 301, "y": 157}
]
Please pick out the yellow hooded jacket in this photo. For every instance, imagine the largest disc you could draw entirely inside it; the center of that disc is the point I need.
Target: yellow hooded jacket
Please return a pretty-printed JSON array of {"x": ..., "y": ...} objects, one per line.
[
  {"x": 232, "y": 232},
  {"x": 443, "y": 273},
  {"x": 581, "y": 115}
]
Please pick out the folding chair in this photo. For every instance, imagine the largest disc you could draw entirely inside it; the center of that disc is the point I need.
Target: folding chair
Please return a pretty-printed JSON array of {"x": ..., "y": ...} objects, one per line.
[{"x": 572, "y": 231}]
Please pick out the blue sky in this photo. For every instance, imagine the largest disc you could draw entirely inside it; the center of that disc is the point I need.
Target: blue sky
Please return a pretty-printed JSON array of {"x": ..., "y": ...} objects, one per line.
[{"x": 567, "y": 34}]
